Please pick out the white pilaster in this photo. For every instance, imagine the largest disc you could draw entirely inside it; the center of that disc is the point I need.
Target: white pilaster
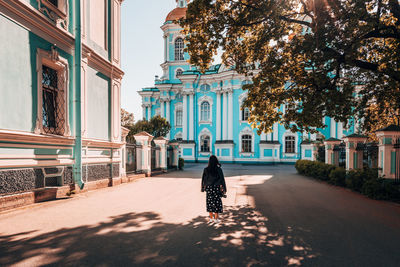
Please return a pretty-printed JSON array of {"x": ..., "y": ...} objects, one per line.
[
  {"x": 143, "y": 111},
  {"x": 191, "y": 118},
  {"x": 148, "y": 113},
  {"x": 230, "y": 115},
  {"x": 263, "y": 136},
  {"x": 218, "y": 123},
  {"x": 165, "y": 48},
  {"x": 340, "y": 130},
  {"x": 270, "y": 137},
  {"x": 333, "y": 128},
  {"x": 225, "y": 117},
  {"x": 162, "y": 107},
  {"x": 167, "y": 111},
  {"x": 275, "y": 134},
  {"x": 184, "y": 119}
]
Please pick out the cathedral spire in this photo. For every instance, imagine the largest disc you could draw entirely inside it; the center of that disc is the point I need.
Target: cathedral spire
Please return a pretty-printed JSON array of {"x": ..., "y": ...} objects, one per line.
[{"x": 182, "y": 3}]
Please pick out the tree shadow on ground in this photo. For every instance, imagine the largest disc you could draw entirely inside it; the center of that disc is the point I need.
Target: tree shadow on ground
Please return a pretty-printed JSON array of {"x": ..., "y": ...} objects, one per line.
[{"x": 143, "y": 239}]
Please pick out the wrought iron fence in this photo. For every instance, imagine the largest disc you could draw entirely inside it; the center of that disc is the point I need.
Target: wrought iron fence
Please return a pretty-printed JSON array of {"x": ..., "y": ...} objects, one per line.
[
  {"x": 340, "y": 154},
  {"x": 131, "y": 164},
  {"x": 170, "y": 157},
  {"x": 321, "y": 153}
]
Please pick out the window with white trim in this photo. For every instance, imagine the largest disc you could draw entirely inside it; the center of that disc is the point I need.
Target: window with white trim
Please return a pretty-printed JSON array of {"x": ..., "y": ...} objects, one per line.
[
  {"x": 246, "y": 143},
  {"x": 205, "y": 111},
  {"x": 290, "y": 146},
  {"x": 179, "y": 118},
  {"x": 179, "y": 45},
  {"x": 205, "y": 143},
  {"x": 245, "y": 114},
  {"x": 204, "y": 88}
]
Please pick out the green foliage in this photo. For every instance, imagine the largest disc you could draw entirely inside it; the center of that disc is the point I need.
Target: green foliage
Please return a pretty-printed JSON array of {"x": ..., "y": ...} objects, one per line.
[
  {"x": 157, "y": 126},
  {"x": 338, "y": 176},
  {"x": 181, "y": 163},
  {"x": 314, "y": 169},
  {"x": 326, "y": 49},
  {"x": 127, "y": 119}
]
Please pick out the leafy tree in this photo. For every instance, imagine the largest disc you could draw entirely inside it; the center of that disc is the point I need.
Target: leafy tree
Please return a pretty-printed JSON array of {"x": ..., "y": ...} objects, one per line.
[
  {"x": 157, "y": 126},
  {"x": 334, "y": 58},
  {"x": 127, "y": 118}
]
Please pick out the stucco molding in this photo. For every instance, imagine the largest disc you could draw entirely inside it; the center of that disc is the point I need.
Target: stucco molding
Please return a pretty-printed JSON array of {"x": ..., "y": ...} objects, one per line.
[
  {"x": 32, "y": 138},
  {"x": 38, "y": 23},
  {"x": 209, "y": 99},
  {"x": 86, "y": 142},
  {"x": 53, "y": 60}
]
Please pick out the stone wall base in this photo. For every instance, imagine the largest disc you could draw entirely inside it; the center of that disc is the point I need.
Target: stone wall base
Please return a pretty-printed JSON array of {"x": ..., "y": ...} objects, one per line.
[{"x": 13, "y": 201}]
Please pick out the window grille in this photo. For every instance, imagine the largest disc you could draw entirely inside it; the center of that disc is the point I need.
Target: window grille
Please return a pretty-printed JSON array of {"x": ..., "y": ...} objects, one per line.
[
  {"x": 179, "y": 49},
  {"x": 205, "y": 111},
  {"x": 245, "y": 114},
  {"x": 205, "y": 143},
  {"x": 53, "y": 105},
  {"x": 290, "y": 144},
  {"x": 246, "y": 143},
  {"x": 179, "y": 115}
]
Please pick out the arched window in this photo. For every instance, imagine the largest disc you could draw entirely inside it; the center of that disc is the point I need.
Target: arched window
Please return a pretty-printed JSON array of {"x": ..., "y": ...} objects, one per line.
[
  {"x": 205, "y": 88},
  {"x": 179, "y": 72},
  {"x": 290, "y": 144},
  {"x": 179, "y": 49},
  {"x": 204, "y": 143},
  {"x": 246, "y": 143},
  {"x": 245, "y": 114},
  {"x": 205, "y": 111},
  {"x": 179, "y": 116}
]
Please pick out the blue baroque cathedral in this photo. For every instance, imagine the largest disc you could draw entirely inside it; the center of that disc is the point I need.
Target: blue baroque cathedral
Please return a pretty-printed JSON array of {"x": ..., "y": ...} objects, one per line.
[{"x": 204, "y": 110}]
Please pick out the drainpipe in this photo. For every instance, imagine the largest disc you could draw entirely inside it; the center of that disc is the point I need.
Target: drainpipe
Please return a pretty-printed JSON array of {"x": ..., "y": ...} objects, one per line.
[{"x": 78, "y": 98}]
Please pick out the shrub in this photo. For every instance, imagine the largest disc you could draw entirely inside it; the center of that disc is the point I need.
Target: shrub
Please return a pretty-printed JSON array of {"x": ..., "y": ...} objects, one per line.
[
  {"x": 373, "y": 188},
  {"x": 338, "y": 176},
  {"x": 355, "y": 180},
  {"x": 314, "y": 169},
  {"x": 181, "y": 163}
]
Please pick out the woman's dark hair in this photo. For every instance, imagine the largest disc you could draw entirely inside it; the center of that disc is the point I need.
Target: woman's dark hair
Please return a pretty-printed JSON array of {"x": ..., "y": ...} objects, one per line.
[{"x": 213, "y": 164}]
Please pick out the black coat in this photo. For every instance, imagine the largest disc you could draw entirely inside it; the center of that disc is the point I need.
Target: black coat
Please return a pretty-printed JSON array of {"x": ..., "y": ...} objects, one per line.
[{"x": 210, "y": 178}]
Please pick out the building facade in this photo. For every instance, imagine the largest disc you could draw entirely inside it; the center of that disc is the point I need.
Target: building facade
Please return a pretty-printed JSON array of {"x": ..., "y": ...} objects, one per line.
[
  {"x": 60, "y": 82},
  {"x": 205, "y": 112}
]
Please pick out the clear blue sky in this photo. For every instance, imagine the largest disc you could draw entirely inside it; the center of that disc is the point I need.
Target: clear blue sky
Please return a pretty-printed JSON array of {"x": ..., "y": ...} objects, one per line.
[{"x": 142, "y": 48}]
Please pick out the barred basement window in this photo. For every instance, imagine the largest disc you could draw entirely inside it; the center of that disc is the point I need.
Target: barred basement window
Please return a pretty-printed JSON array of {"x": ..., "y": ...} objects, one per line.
[
  {"x": 205, "y": 143},
  {"x": 246, "y": 143},
  {"x": 53, "y": 102},
  {"x": 179, "y": 49},
  {"x": 290, "y": 144}
]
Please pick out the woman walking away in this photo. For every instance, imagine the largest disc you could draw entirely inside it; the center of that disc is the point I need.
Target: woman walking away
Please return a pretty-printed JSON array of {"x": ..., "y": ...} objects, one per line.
[{"x": 213, "y": 182}]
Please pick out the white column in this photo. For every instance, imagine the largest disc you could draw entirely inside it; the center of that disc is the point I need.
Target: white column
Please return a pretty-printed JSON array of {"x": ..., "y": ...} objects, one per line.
[
  {"x": 143, "y": 111},
  {"x": 184, "y": 121},
  {"x": 275, "y": 134},
  {"x": 333, "y": 128},
  {"x": 263, "y": 137},
  {"x": 270, "y": 137},
  {"x": 148, "y": 112},
  {"x": 340, "y": 130},
  {"x": 230, "y": 115},
  {"x": 167, "y": 111},
  {"x": 162, "y": 107},
  {"x": 191, "y": 118},
  {"x": 165, "y": 48},
  {"x": 218, "y": 124},
  {"x": 225, "y": 117}
]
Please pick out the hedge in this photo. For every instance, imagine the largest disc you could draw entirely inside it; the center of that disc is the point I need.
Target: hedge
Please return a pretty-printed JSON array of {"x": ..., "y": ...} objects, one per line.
[{"x": 365, "y": 181}]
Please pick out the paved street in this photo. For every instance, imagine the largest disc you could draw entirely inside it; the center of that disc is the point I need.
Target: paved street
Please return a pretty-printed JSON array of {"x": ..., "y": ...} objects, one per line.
[{"x": 273, "y": 217}]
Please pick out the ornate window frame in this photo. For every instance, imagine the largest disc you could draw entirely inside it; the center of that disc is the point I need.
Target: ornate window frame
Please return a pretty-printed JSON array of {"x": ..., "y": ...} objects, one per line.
[
  {"x": 205, "y": 132},
  {"x": 178, "y": 107},
  {"x": 246, "y": 131},
  {"x": 202, "y": 99},
  {"x": 182, "y": 49},
  {"x": 241, "y": 99},
  {"x": 287, "y": 134},
  {"x": 58, "y": 14},
  {"x": 176, "y": 72},
  {"x": 54, "y": 61}
]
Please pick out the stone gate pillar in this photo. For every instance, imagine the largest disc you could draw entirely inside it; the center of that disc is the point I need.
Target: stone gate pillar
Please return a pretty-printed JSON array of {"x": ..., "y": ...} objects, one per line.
[
  {"x": 161, "y": 142},
  {"x": 175, "y": 154},
  {"x": 144, "y": 139},
  {"x": 387, "y": 158},
  {"x": 354, "y": 157},
  {"x": 329, "y": 154}
]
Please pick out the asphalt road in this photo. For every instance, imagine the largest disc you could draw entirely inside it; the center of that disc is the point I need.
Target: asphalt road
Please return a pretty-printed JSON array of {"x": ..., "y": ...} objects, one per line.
[{"x": 272, "y": 217}]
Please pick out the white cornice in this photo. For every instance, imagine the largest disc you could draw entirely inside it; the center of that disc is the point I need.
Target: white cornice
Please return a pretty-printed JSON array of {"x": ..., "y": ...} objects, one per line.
[
  {"x": 38, "y": 23},
  {"x": 27, "y": 137},
  {"x": 101, "y": 64}
]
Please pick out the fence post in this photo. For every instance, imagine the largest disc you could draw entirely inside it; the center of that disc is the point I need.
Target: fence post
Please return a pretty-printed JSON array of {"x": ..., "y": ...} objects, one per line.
[
  {"x": 175, "y": 147},
  {"x": 354, "y": 156},
  {"x": 329, "y": 153},
  {"x": 388, "y": 159},
  {"x": 162, "y": 143},
  {"x": 144, "y": 140}
]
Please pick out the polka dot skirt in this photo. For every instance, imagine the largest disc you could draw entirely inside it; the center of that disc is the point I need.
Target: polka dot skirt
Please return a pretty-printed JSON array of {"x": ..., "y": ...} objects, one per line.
[{"x": 214, "y": 203}]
